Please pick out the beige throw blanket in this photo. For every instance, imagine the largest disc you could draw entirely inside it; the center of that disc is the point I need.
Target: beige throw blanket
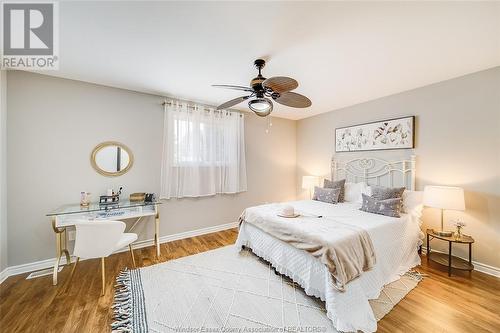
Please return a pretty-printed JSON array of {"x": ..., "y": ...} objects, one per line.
[{"x": 345, "y": 249}]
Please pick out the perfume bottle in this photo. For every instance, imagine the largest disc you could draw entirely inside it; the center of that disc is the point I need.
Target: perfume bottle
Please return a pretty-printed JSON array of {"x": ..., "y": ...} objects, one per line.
[{"x": 84, "y": 199}]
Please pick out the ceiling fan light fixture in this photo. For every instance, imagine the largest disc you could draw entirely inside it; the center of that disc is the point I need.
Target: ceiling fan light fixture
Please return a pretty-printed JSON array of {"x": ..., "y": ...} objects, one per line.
[{"x": 261, "y": 106}]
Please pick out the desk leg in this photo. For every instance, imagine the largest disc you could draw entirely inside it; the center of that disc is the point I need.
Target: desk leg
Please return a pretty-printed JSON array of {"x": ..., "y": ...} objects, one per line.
[
  {"x": 64, "y": 247},
  {"x": 58, "y": 257},
  {"x": 157, "y": 231},
  {"x": 60, "y": 249}
]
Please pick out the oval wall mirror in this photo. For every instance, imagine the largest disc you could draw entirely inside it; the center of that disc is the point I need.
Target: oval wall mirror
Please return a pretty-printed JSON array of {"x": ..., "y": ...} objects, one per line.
[{"x": 111, "y": 159}]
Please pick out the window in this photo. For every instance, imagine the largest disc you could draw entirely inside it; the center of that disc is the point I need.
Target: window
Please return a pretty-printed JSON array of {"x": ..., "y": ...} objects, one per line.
[
  {"x": 203, "y": 152},
  {"x": 187, "y": 151}
]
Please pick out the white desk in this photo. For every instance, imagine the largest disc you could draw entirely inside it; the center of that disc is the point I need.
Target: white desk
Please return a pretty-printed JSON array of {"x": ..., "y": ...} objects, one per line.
[{"x": 66, "y": 216}]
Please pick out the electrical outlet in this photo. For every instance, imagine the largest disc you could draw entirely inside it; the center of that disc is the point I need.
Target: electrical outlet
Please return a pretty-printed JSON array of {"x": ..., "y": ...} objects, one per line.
[{"x": 71, "y": 235}]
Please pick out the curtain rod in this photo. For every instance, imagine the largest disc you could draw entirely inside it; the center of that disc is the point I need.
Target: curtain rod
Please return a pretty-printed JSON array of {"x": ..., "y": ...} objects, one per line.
[{"x": 206, "y": 107}]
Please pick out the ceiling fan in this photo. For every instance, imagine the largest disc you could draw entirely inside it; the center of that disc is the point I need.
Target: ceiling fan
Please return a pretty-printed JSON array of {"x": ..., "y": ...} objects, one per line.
[{"x": 277, "y": 87}]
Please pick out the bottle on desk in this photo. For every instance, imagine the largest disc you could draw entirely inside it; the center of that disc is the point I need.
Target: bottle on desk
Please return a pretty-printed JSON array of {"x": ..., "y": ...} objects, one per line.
[{"x": 84, "y": 199}]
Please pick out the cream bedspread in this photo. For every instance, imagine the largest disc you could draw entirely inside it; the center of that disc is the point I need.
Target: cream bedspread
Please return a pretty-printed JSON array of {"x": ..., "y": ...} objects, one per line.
[{"x": 345, "y": 249}]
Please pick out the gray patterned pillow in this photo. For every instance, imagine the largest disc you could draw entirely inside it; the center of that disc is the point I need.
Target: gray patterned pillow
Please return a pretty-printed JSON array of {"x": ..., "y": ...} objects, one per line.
[
  {"x": 388, "y": 207},
  {"x": 336, "y": 184},
  {"x": 383, "y": 193},
  {"x": 328, "y": 195}
]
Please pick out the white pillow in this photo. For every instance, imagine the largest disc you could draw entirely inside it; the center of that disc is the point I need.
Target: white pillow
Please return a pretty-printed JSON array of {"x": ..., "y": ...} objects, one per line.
[
  {"x": 353, "y": 192},
  {"x": 412, "y": 202}
]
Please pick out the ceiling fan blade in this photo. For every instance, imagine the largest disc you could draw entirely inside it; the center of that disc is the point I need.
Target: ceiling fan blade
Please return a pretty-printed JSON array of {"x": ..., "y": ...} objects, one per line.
[
  {"x": 227, "y": 86},
  {"x": 280, "y": 84},
  {"x": 232, "y": 102},
  {"x": 293, "y": 99}
]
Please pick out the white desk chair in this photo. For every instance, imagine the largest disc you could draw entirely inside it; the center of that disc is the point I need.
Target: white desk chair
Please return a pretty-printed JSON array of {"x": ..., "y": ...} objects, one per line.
[{"x": 99, "y": 239}]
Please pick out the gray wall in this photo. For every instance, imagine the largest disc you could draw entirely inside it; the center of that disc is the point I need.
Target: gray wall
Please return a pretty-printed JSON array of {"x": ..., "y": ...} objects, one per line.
[
  {"x": 3, "y": 170},
  {"x": 457, "y": 143},
  {"x": 54, "y": 125}
]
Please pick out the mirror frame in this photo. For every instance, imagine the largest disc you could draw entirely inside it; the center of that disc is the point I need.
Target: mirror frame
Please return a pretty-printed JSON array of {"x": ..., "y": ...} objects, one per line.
[{"x": 107, "y": 173}]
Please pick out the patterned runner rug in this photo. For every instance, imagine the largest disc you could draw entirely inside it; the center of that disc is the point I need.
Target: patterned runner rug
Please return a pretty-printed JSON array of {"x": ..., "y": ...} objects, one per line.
[{"x": 226, "y": 291}]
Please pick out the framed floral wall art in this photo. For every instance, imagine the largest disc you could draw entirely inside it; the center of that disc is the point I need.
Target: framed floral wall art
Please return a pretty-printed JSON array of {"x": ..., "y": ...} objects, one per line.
[{"x": 396, "y": 133}]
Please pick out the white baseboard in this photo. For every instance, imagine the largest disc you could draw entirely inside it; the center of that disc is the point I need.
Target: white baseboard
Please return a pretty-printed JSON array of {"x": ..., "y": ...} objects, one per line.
[
  {"x": 4, "y": 275},
  {"x": 478, "y": 266},
  {"x": 29, "y": 267},
  {"x": 183, "y": 235},
  {"x": 43, "y": 264}
]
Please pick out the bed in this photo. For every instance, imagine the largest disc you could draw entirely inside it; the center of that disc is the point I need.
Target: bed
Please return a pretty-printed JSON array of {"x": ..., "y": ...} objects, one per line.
[{"x": 395, "y": 242}]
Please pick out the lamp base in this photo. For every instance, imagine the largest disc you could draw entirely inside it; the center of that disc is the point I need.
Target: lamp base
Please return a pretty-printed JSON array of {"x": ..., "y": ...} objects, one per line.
[{"x": 443, "y": 233}]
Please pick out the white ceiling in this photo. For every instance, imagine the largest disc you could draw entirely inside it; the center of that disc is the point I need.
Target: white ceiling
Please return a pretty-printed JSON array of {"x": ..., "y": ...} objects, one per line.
[{"x": 342, "y": 53}]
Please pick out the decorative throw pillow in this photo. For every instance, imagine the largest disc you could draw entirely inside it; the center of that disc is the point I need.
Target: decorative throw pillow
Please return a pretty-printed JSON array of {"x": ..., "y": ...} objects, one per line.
[
  {"x": 328, "y": 195},
  {"x": 412, "y": 202},
  {"x": 388, "y": 207},
  {"x": 336, "y": 184},
  {"x": 383, "y": 193},
  {"x": 353, "y": 191}
]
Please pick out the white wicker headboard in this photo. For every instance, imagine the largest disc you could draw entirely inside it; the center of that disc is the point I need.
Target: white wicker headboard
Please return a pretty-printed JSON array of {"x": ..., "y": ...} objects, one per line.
[{"x": 375, "y": 171}]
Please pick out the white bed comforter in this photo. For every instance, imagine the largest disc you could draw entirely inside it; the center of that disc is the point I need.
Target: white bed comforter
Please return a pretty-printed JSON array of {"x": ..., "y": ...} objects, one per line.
[{"x": 395, "y": 241}]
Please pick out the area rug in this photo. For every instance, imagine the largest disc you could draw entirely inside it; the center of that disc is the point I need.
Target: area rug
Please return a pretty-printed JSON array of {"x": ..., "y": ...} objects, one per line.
[{"x": 226, "y": 290}]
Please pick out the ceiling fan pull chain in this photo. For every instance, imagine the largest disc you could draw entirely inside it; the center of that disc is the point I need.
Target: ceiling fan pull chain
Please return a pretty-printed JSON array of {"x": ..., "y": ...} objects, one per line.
[{"x": 269, "y": 125}]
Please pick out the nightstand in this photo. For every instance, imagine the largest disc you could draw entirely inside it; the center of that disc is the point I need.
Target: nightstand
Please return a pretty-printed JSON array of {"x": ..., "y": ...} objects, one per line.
[{"x": 447, "y": 259}]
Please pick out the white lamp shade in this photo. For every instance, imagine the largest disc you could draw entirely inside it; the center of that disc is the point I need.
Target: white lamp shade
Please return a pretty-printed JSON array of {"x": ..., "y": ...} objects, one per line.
[
  {"x": 444, "y": 197},
  {"x": 308, "y": 182}
]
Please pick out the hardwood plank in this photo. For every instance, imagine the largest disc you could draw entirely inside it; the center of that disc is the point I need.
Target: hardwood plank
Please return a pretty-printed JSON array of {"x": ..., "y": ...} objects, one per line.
[{"x": 461, "y": 303}]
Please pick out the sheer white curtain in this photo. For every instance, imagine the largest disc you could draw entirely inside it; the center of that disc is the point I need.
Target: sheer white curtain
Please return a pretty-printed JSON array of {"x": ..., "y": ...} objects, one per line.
[{"x": 203, "y": 152}]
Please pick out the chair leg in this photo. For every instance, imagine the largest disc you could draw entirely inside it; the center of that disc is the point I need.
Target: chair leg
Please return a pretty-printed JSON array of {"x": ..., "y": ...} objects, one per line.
[
  {"x": 70, "y": 278},
  {"x": 103, "y": 277},
  {"x": 132, "y": 254}
]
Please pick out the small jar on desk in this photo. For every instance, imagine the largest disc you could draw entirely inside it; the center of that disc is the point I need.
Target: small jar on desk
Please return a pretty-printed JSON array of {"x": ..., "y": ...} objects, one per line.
[{"x": 448, "y": 259}]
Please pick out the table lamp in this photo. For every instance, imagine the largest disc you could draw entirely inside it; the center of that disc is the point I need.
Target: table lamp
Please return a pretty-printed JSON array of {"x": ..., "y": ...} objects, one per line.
[
  {"x": 308, "y": 183},
  {"x": 444, "y": 197}
]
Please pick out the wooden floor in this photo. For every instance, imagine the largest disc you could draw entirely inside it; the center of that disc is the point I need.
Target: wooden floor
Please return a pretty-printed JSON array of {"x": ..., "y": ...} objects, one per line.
[{"x": 438, "y": 304}]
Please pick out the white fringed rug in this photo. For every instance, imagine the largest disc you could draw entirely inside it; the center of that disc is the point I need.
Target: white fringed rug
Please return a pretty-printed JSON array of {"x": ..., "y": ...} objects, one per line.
[{"x": 226, "y": 291}]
